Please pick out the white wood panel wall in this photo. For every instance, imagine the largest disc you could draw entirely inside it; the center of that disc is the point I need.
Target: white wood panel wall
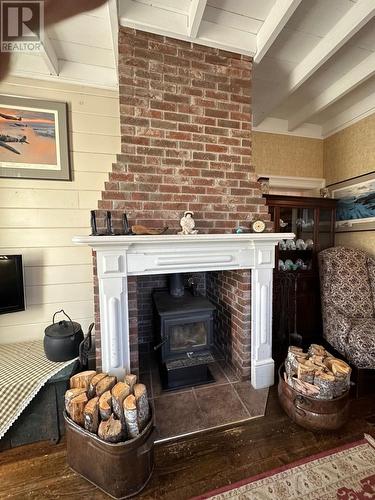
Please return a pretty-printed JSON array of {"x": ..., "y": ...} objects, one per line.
[{"x": 39, "y": 218}]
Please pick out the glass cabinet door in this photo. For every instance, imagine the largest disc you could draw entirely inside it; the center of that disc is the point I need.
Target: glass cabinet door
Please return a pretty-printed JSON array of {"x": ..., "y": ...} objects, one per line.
[{"x": 300, "y": 221}]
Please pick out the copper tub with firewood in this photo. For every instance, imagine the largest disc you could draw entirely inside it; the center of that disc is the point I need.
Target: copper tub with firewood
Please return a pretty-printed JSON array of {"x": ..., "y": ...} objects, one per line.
[
  {"x": 310, "y": 412},
  {"x": 122, "y": 469}
]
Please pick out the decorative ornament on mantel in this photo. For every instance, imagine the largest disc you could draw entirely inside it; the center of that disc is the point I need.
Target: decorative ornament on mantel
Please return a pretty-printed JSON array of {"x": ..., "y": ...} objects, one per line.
[{"x": 187, "y": 223}]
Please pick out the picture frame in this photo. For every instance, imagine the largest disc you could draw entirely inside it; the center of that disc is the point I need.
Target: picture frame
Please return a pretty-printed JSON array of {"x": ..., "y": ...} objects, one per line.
[
  {"x": 356, "y": 203},
  {"x": 34, "y": 139}
]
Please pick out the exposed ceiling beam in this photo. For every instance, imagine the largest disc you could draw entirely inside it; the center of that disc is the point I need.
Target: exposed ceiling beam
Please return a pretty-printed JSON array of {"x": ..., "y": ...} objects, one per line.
[
  {"x": 153, "y": 19},
  {"x": 279, "y": 15},
  {"x": 175, "y": 24},
  {"x": 355, "y": 18},
  {"x": 357, "y": 75},
  {"x": 226, "y": 38},
  {"x": 195, "y": 16},
  {"x": 353, "y": 114},
  {"x": 49, "y": 55}
]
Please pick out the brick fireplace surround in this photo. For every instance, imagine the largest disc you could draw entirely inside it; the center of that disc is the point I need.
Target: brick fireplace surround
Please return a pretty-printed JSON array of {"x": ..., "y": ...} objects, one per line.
[{"x": 186, "y": 144}]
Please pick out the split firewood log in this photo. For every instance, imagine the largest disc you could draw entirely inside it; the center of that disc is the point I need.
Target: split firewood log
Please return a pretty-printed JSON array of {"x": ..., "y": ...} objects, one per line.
[
  {"x": 70, "y": 394},
  {"x": 317, "y": 350},
  {"x": 305, "y": 370},
  {"x": 130, "y": 413},
  {"x": 337, "y": 366},
  {"x": 93, "y": 383},
  {"x": 326, "y": 383},
  {"x": 76, "y": 408},
  {"x": 105, "y": 405},
  {"x": 295, "y": 354},
  {"x": 105, "y": 384},
  {"x": 131, "y": 380},
  {"x": 143, "y": 408},
  {"x": 111, "y": 430},
  {"x": 341, "y": 372},
  {"x": 318, "y": 361},
  {"x": 82, "y": 379},
  {"x": 91, "y": 415},
  {"x": 305, "y": 388},
  {"x": 119, "y": 392}
]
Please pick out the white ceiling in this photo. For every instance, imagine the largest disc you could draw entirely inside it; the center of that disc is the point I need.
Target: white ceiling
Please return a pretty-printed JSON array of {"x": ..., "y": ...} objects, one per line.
[{"x": 314, "y": 60}]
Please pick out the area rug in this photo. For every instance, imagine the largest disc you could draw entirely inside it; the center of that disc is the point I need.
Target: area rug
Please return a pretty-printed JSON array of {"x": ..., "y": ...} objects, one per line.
[
  {"x": 24, "y": 369},
  {"x": 345, "y": 473}
]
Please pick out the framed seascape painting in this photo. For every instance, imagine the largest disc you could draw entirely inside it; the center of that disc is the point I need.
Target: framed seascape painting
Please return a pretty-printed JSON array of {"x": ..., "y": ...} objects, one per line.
[
  {"x": 356, "y": 203},
  {"x": 33, "y": 139}
]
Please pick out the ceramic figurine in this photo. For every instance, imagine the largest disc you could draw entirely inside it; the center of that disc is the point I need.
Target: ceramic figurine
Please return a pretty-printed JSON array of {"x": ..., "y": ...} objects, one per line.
[
  {"x": 264, "y": 184},
  {"x": 187, "y": 223},
  {"x": 290, "y": 245},
  {"x": 301, "y": 265},
  {"x": 282, "y": 223},
  {"x": 282, "y": 245},
  {"x": 309, "y": 244},
  {"x": 241, "y": 229},
  {"x": 301, "y": 245}
]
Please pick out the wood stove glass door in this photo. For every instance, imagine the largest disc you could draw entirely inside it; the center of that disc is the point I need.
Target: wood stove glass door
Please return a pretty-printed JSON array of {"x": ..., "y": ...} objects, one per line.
[{"x": 186, "y": 335}]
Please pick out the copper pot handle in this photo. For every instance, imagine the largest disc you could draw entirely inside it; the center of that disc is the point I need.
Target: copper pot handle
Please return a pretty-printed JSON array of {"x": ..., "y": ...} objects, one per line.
[{"x": 300, "y": 400}]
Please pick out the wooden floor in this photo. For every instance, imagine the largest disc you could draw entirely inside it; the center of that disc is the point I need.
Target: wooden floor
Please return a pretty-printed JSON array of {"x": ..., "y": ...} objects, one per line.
[{"x": 190, "y": 466}]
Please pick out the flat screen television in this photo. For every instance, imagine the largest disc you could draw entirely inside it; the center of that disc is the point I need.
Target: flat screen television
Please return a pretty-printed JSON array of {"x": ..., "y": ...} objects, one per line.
[{"x": 12, "y": 297}]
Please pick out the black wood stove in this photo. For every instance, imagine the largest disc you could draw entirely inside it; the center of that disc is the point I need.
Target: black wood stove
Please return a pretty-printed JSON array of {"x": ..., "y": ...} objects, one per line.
[{"x": 184, "y": 330}]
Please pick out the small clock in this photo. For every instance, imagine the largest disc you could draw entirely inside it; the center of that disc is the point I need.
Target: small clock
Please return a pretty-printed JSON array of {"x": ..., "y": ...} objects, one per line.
[{"x": 258, "y": 226}]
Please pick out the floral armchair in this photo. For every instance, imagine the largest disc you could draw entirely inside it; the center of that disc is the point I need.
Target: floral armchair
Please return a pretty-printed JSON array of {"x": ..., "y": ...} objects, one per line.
[{"x": 347, "y": 283}]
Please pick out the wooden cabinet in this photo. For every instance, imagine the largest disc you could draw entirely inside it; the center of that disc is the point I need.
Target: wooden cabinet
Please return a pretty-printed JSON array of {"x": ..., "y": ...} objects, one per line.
[{"x": 296, "y": 293}]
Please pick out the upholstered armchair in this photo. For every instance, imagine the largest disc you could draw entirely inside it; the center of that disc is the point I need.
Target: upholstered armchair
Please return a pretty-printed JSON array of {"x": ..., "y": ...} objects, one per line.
[{"x": 347, "y": 282}]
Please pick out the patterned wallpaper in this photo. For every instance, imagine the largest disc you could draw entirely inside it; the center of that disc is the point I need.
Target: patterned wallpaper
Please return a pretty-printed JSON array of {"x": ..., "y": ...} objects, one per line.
[
  {"x": 349, "y": 153},
  {"x": 280, "y": 154}
]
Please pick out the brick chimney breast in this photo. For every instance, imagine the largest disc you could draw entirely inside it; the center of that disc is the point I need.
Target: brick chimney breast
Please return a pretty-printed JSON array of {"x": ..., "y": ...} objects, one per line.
[{"x": 185, "y": 113}]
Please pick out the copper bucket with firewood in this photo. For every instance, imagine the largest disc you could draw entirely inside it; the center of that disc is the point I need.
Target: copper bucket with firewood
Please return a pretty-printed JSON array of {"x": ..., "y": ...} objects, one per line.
[
  {"x": 314, "y": 388},
  {"x": 110, "y": 432}
]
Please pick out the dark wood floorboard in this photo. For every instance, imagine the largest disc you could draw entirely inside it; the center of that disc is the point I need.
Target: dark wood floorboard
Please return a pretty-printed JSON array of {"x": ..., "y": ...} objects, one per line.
[{"x": 189, "y": 466}]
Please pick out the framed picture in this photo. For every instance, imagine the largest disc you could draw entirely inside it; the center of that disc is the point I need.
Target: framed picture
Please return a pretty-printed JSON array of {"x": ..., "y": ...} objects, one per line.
[
  {"x": 356, "y": 203},
  {"x": 33, "y": 139}
]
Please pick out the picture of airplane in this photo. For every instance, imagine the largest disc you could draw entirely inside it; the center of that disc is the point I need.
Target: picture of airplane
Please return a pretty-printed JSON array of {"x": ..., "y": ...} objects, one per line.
[
  {"x": 27, "y": 136},
  {"x": 5, "y": 139},
  {"x": 11, "y": 117}
]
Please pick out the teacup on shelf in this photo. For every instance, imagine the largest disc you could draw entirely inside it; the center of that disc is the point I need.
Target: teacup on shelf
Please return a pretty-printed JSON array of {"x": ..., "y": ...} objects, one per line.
[
  {"x": 301, "y": 244},
  {"x": 290, "y": 245},
  {"x": 301, "y": 265},
  {"x": 282, "y": 245},
  {"x": 281, "y": 265}
]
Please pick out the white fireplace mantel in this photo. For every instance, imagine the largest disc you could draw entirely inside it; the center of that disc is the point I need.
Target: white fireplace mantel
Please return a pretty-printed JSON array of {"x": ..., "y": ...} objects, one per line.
[{"x": 121, "y": 256}]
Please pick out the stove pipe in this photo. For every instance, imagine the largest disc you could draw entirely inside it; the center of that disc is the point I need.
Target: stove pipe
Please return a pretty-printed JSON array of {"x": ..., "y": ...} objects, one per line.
[{"x": 176, "y": 285}]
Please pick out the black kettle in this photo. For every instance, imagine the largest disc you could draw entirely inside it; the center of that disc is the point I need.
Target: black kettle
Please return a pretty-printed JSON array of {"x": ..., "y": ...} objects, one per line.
[{"x": 62, "y": 339}]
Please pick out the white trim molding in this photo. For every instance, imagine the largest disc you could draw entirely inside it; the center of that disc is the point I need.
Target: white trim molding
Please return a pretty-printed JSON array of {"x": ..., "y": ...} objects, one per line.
[
  {"x": 285, "y": 183},
  {"x": 121, "y": 256}
]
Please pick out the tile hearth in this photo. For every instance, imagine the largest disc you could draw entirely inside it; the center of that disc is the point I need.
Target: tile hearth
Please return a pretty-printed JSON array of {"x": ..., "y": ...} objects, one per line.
[{"x": 225, "y": 402}]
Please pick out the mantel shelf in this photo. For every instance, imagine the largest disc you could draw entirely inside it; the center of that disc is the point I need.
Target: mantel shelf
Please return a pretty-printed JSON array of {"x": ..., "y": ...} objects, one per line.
[{"x": 122, "y": 240}]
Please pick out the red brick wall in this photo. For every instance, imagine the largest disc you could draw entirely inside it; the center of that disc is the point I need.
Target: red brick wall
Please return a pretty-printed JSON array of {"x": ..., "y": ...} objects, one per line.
[
  {"x": 230, "y": 292},
  {"x": 186, "y": 141}
]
